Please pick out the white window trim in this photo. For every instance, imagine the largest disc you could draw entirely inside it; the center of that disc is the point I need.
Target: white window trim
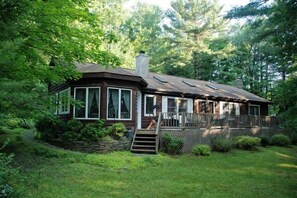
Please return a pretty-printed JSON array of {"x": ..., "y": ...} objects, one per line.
[
  {"x": 165, "y": 103},
  {"x": 213, "y": 107},
  {"x": 67, "y": 91},
  {"x": 119, "y": 113},
  {"x": 87, "y": 103},
  {"x": 254, "y": 105},
  {"x": 237, "y": 107},
  {"x": 154, "y": 103}
]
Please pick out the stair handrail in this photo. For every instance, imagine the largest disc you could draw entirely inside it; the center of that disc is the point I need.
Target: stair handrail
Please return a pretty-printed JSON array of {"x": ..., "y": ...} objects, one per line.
[
  {"x": 158, "y": 128},
  {"x": 133, "y": 140}
]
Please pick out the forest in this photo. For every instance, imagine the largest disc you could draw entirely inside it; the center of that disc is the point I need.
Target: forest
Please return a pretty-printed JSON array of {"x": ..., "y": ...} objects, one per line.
[{"x": 256, "y": 43}]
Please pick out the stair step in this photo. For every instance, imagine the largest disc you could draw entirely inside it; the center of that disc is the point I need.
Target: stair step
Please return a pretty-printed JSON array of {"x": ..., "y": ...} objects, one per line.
[
  {"x": 140, "y": 137},
  {"x": 143, "y": 151},
  {"x": 145, "y": 141},
  {"x": 146, "y": 132},
  {"x": 145, "y": 146}
]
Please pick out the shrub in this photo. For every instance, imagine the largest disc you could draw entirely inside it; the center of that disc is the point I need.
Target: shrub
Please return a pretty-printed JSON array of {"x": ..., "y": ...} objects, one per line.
[
  {"x": 221, "y": 144},
  {"x": 280, "y": 140},
  {"x": 73, "y": 130},
  {"x": 7, "y": 175},
  {"x": 293, "y": 137},
  {"x": 172, "y": 145},
  {"x": 50, "y": 127},
  {"x": 201, "y": 149},
  {"x": 247, "y": 142},
  {"x": 94, "y": 131},
  {"x": 117, "y": 130},
  {"x": 11, "y": 122},
  {"x": 265, "y": 141}
]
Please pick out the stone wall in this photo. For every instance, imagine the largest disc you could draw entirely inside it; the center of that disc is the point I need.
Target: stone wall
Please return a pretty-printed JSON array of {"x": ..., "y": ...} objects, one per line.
[
  {"x": 192, "y": 137},
  {"x": 95, "y": 147}
]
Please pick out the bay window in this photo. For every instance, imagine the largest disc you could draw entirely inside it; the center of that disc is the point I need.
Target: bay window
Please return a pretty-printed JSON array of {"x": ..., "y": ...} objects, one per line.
[
  {"x": 119, "y": 104},
  {"x": 87, "y": 101}
]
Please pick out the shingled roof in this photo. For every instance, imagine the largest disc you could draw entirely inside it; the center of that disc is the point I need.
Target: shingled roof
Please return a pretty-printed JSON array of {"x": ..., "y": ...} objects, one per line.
[{"x": 174, "y": 85}]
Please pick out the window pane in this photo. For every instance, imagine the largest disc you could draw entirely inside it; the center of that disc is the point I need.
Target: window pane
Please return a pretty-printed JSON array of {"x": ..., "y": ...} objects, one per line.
[
  {"x": 80, "y": 109},
  {"x": 183, "y": 106},
  {"x": 232, "y": 109},
  {"x": 149, "y": 105},
  {"x": 125, "y": 104},
  {"x": 211, "y": 107},
  {"x": 254, "y": 110},
  {"x": 171, "y": 108},
  {"x": 226, "y": 108},
  {"x": 93, "y": 103},
  {"x": 113, "y": 103},
  {"x": 202, "y": 107}
]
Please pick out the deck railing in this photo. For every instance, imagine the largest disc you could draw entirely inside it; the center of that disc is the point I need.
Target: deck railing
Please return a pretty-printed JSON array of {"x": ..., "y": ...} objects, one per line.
[{"x": 194, "y": 120}]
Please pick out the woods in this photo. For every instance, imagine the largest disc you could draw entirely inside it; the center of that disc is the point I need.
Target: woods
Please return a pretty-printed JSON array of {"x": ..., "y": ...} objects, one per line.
[{"x": 193, "y": 39}]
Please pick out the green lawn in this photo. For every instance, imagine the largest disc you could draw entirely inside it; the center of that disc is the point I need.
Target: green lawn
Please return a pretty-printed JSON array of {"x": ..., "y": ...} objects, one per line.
[{"x": 52, "y": 172}]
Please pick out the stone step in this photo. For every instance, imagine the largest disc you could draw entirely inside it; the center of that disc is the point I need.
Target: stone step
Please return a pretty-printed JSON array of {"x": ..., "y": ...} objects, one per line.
[{"x": 143, "y": 151}]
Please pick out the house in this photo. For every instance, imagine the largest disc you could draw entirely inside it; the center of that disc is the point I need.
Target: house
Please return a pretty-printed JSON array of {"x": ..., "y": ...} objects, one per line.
[{"x": 136, "y": 97}]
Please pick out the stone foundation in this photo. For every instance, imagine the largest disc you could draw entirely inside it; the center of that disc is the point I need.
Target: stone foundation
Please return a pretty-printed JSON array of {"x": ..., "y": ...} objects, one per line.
[{"x": 94, "y": 147}]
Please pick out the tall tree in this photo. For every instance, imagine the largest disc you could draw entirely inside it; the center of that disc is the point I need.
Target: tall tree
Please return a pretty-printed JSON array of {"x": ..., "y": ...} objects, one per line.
[{"x": 192, "y": 26}]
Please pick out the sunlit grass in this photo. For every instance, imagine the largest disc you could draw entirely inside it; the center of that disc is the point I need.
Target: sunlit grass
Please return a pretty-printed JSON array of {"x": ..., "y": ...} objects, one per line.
[{"x": 52, "y": 172}]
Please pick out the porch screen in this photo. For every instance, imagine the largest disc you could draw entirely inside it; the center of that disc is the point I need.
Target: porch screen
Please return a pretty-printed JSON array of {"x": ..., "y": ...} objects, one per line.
[
  {"x": 119, "y": 104},
  {"x": 80, "y": 107}
]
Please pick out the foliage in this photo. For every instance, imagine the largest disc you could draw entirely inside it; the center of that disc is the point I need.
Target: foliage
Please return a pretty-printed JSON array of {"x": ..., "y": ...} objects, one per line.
[
  {"x": 94, "y": 131},
  {"x": 73, "y": 129},
  {"x": 285, "y": 97},
  {"x": 247, "y": 142},
  {"x": 50, "y": 127},
  {"x": 201, "y": 149},
  {"x": 293, "y": 137},
  {"x": 280, "y": 140},
  {"x": 37, "y": 35},
  {"x": 172, "y": 145},
  {"x": 221, "y": 144},
  {"x": 117, "y": 130},
  {"x": 265, "y": 141},
  {"x": 10, "y": 121},
  {"x": 7, "y": 175}
]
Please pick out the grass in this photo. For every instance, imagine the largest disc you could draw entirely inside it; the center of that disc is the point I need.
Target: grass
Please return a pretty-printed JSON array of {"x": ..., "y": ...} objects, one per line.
[{"x": 53, "y": 172}]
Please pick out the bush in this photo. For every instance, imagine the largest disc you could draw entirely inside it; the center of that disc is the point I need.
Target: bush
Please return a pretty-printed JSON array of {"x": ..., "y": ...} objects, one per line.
[
  {"x": 117, "y": 130},
  {"x": 201, "y": 149},
  {"x": 94, "y": 131},
  {"x": 247, "y": 142},
  {"x": 221, "y": 144},
  {"x": 7, "y": 175},
  {"x": 293, "y": 137},
  {"x": 50, "y": 127},
  {"x": 265, "y": 141},
  {"x": 173, "y": 145},
  {"x": 280, "y": 140},
  {"x": 73, "y": 130},
  {"x": 11, "y": 122}
]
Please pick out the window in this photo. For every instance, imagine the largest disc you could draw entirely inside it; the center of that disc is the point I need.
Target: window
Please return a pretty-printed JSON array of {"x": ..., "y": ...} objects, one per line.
[
  {"x": 206, "y": 108},
  {"x": 230, "y": 108},
  {"x": 62, "y": 99},
  {"x": 177, "y": 105},
  {"x": 254, "y": 110},
  {"x": 149, "y": 108},
  {"x": 119, "y": 104},
  {"x": 87, "y": 102}
]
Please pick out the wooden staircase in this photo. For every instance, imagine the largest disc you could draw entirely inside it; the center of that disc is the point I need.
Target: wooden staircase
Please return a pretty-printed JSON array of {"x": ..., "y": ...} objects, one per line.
[{"x": 145, "y": 141}]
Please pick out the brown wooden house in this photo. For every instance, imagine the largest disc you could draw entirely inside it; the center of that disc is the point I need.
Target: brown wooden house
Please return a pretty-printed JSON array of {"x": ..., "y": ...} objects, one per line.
[{"x": 135, "y": 97}]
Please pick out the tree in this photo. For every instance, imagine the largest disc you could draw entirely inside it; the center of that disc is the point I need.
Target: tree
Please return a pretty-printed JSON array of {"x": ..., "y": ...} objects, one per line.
[
  {"x": 193, "y": 26},
  {"x": 36, "y": 33}
]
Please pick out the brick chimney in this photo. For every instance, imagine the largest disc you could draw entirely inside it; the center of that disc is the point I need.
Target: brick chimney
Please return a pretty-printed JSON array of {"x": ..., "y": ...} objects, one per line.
[{"x": 142, "y": 64}]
